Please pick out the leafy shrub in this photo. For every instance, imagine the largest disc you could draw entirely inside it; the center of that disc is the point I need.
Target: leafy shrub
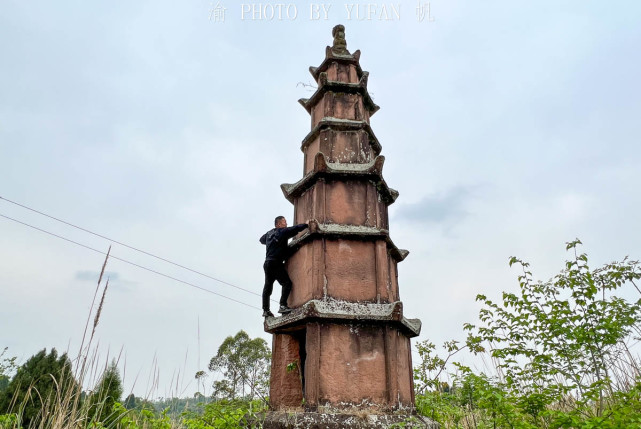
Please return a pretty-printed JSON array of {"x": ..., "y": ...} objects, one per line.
[
  {"x": 560, "y": 350},
  {"x": 227, "y": 414}
]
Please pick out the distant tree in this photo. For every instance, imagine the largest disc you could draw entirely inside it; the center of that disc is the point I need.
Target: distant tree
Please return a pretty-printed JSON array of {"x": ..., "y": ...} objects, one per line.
[
  {"x": 38, "y": 384},
  {"x": 200, "y": 377},
  {"x": 130, "y": 402},
  {"x": 7, "y": 367},
  {"x": 145, "y": 404},
  {"x": 107, "y": 392},
  {"x": 245, "y": 365}
]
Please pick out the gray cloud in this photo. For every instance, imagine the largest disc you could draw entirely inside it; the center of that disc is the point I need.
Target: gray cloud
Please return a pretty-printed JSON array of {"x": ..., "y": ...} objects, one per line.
[
  {"x": 442, "y": 208},
  {"x": 92, "y": 276}
]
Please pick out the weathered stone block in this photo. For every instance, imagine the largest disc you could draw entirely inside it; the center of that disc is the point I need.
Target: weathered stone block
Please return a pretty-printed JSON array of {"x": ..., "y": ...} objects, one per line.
[
  {"x": 345, "y": 202},
  {"x": 342, "y": 73},
  {"x": 340, "y": 106},
  {"x": 342, "y": 269},
  {"x": 356, "y": 420},
  {"x": 350, "y": 270},
  {"x": 306, "y": 269},
  {"x": 352, "y": 365}
]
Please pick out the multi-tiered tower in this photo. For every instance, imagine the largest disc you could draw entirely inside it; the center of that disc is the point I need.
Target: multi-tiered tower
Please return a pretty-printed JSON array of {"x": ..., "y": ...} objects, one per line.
[{"x": 346, "y": 345}]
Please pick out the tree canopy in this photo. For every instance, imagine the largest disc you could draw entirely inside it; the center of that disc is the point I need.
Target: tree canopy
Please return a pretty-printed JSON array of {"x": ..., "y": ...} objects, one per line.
[
  {"x": 41, "y": 381},
  {"x": 7, "y": 366},
  {"x": 108, "y": 391},
  {"x": 244, "y": 364}
]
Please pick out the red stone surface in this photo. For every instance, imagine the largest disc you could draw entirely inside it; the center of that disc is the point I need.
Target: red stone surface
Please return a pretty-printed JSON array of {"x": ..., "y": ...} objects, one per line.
[
  {"x": 353, "y": 271},
  {"x": 306, "y": 271},
  {"x": 352, "y": 365},
  {"x": 340, "y": 146},
  {"x": 313, "y": 148},
  {"x": 340, "y": 106},
  {"x": 342, "y": 73},
  {"x": 346, "y": 202},
  {"x": 346, "y": 365},
  {"x": 350, "y": 270}
]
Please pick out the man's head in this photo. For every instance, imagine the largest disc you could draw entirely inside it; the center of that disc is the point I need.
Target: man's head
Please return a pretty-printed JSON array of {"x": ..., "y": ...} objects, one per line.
[{"x": 280, "y": 222}]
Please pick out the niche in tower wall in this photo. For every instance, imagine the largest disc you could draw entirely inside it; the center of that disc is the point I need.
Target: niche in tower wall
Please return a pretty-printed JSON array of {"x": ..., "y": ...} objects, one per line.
[{"x": 288, "y": 369}]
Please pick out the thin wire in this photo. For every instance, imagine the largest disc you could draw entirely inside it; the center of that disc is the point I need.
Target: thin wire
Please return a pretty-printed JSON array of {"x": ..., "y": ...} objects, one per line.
[
  {"x": 130, "y": 247},
  {"x": 127, "y": 262}
]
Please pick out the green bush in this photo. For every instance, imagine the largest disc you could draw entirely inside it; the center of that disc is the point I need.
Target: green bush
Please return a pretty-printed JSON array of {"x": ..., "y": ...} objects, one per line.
[
  {"x": 39, "y": 386},
  {"x": 227, "y": 414},
  {"x": 560, "y": 350}
]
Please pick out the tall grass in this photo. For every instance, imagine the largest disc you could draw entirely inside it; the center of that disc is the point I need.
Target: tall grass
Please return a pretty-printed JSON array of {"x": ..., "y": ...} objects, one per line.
[
  {"x": 74, "y": 400},
  {"x": 68, "y": 404},
  {"x": 64, "y": 405}
]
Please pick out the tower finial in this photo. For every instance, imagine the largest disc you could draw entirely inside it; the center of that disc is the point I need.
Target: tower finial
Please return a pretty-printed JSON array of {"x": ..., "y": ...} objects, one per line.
[{"x": 340, "y": 44}]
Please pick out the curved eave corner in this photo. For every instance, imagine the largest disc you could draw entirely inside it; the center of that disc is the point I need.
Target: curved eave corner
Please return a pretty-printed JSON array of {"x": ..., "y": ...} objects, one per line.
[
  {"x": 372, "y": 170},
  {"x": 334, "y": 310},
  {"x": 342, "y": 125},
  {"x": 331, "y": 56},
  {"x": 325, "y": 85}
]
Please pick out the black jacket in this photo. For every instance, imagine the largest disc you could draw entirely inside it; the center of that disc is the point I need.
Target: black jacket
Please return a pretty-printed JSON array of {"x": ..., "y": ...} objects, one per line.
[{"x": 276, "y": 241}]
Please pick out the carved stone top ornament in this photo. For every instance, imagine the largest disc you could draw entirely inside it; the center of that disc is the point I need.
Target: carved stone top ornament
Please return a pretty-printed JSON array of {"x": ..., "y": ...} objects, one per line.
[{"x": 340, "y": 44}]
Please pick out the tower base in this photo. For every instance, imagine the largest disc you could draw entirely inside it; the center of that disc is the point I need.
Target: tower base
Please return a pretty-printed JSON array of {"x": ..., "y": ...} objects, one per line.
[{"x": 315, "y": 420}]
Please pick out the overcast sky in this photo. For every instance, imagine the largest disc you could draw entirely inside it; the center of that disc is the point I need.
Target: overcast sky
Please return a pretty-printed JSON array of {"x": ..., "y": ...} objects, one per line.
[{"x": 508, "y": 127}]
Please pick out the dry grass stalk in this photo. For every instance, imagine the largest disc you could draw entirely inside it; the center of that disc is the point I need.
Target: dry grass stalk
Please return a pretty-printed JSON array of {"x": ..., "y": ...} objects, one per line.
[{"x": 97, "y": 318}]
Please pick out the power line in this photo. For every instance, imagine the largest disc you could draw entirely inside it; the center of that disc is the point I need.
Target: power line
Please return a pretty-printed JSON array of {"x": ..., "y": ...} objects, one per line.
[
  {"x": 127, "y": 262},
  {"x": 130, "y": 247}
]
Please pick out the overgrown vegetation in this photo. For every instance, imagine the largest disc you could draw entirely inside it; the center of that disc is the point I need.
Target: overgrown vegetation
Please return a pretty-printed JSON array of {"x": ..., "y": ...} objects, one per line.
[
  {"x": 34, "y": 399},
  {"x": 38, "y": 384},
  {"x": 558, "y": 354},
  {"x": 559, "y": 350}
]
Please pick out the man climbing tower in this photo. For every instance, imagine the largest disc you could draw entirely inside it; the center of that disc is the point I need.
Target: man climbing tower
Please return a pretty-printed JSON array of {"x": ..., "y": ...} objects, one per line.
[{"x": 276, "y": 253}]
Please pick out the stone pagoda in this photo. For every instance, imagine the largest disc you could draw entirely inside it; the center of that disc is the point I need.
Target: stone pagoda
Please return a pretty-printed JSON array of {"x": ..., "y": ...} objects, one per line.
[{"x": 342, "y": 357}]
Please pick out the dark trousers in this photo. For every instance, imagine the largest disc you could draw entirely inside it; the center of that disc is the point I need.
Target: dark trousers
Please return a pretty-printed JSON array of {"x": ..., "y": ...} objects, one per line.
[{"x": 275, "y": 270}]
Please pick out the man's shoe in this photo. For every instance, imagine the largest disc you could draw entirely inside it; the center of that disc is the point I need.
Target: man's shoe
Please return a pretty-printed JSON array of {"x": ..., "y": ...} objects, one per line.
[
  {"x": 267, "y": 313},
  {"x": 284, "y": 309}
]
